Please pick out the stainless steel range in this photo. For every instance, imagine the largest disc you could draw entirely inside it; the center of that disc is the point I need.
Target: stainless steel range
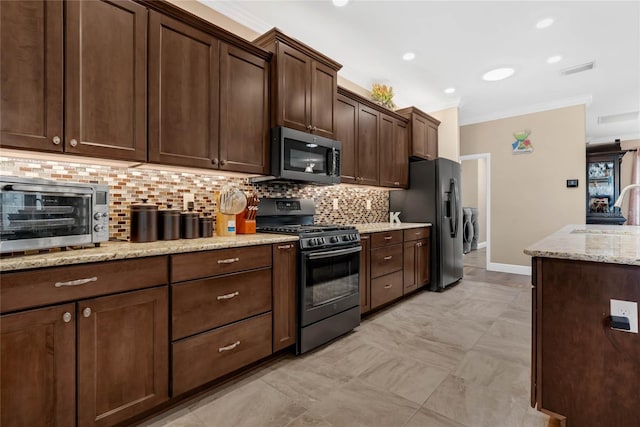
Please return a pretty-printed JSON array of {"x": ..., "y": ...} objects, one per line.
[{"x": 328, "y": 270}]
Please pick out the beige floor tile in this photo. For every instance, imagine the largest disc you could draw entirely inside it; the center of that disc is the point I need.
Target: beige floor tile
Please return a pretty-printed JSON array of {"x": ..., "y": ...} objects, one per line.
[
  {"x": 508, "y": 340},
  {"x": 426, "y": 418},
  {"x": 475, "y": 405},
  {"x": 177, "y": 417},
  {"x": 515, "y": 314},
  {"x": 480, "y": 309},
  {"x": 359, "y": 404},
  {"x": 409, "y": 379},
  {"x": 306, "y": 420},
  {"x": 253, "y": 404}
]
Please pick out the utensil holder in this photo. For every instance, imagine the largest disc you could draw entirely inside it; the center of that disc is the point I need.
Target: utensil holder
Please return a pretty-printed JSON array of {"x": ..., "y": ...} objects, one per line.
[
  {"x": 245, "y": 226},
  {"x": 225, "y": 224}
]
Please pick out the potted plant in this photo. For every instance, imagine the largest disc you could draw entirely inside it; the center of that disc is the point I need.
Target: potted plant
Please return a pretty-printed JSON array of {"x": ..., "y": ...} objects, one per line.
[{"x": 383, "y": 95}]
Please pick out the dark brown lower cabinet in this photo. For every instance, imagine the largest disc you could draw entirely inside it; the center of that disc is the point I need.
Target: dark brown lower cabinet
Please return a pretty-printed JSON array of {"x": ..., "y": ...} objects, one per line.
[
  {"x": 123, "y": 349},
  {"x": 365, "y": 273},
  {"x": 38, "y": 367},
  {"x": 284, "y": 295}
]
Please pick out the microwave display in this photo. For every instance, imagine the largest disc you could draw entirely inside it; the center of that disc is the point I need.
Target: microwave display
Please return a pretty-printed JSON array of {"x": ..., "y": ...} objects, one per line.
[{"x": 305, "y": 157}]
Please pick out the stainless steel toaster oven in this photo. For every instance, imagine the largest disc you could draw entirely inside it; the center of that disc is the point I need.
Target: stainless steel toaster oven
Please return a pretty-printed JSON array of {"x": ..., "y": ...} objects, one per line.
[{"x": 39, "y": 214}]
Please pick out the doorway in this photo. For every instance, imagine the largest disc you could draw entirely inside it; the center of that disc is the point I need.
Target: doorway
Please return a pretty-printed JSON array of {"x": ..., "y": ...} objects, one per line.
[{"x": 476, "y": 193}]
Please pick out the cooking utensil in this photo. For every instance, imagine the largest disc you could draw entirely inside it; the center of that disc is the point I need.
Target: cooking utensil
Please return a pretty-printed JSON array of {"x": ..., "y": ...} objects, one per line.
[{"x": 232, "y": 201}]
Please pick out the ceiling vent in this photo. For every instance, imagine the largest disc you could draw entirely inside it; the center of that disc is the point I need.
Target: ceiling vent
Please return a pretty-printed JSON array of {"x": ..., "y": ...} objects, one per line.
[
  {"x": 615, "y": 118},
  {"x": 577, "y": 69}
]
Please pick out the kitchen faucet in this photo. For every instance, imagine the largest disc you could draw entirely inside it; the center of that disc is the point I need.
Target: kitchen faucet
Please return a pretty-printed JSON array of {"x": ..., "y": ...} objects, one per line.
[{"x": 618, "y": 203}]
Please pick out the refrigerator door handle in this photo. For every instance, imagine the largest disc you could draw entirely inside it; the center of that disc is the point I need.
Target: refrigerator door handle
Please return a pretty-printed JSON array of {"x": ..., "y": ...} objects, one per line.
[{"x": 453, "y": 219}]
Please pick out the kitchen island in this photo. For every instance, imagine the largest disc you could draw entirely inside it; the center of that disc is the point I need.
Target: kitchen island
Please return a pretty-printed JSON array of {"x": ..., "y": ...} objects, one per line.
[{"x": 583, "y": 372}]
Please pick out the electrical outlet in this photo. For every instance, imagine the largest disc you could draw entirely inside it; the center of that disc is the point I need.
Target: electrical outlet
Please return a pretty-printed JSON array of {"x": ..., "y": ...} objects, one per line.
[
  {"x": 368, "y": 205},
  {"x": 186, "y": 198},
  {"x": 628, "y": 309},
  {"x": 335, "y": 204}
]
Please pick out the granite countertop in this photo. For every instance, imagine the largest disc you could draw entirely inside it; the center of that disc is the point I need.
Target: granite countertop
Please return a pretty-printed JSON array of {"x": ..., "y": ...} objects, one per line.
[
  {"x": 375, "y": 227},
  {"x": 109, "y": 251},
  {"x": 612, "y": 244}
]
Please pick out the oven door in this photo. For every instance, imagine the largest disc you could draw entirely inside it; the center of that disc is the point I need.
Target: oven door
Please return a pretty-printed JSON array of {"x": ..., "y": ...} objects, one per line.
[{"x": 330, "y": 283}]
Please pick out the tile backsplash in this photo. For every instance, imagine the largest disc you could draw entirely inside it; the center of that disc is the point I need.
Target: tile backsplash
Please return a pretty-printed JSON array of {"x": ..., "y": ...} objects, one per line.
[{"x": 164, "y": 186}]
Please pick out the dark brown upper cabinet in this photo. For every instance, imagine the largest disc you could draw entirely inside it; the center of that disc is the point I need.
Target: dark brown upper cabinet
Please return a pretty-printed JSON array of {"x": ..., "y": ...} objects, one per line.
[
  {"x": 105, "y": 77},
  {"x": 423, "y": 133},
  {"x": 31, "y": 70},
  {"x": 304, "y": 85},
  {"x": 374, "y": 142}
]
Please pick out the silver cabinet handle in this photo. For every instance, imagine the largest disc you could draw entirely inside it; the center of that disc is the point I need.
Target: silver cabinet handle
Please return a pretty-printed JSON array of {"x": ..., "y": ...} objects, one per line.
[
  {"x": 228, "y": 296},
  {"x": 228, "y": 260},
  {"x": 223, "y": 162},
  {"x": 388, "y": 286},
  {"x": 229, "y": 347},
  {"x": 284, "y": 246},
  {"x": 56, "y": 140},
  {"x": 396, "y": 183},
  {"x": 73, "y": 142},
  {"x": 388, "y": 257},
  {"x": 76, "y": 282},
  {"x": 214, "y": 161},
  {"x": 388, "y": 238},
  {"x": 315, "y": 129},
  {"x": 86, "y": 312},
  {"x": 418, "y": 244},
  {"x": 66, "y": 317},
  {"x": 309, "y": 127}
]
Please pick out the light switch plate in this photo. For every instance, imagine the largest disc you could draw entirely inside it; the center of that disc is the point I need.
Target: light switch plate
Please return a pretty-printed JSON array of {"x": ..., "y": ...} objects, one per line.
[
  {"x": 335, "y": 204},
  {"x": 186, "y": 198},
  {"x": 368, "y": 205},
  {"x": 628, "y": 309}
]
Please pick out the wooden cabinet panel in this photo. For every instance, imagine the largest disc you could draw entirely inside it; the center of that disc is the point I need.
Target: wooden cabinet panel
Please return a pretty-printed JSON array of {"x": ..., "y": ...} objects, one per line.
[
  {"x": 409, "y": 281},
  {"x": 208, "y": 303},
  {"x": 401, "y": 155},
  {"x": 284, "y": 295},
  {"x": 432, "y": 141},
  {"x": 423, "y": 134},
  {"x": 386, "y": 288},
  {"x": 386, "y": 238},
  {"x": 423, "y": 261},
  {"x": 347, "y": 133},
  {"x": 38, "y": 367},
  {"x": 324, "y": 86},
  {"x": 183, "y": 94},
  {"x": 197, "y": 265},
  {"x": 24, "y": 289},
  {"x": 294, "y": 88},
  {"x": 244, "y": 108},
  {"x": 122, "y": 355},
  {"x": 365, "y": 273},
  {"x": 367, "y": 145},
  {"x": 227, "y": 349},
  {"x": 106, "y": 79},
  {"x": 419, "y": 142},
  {"x": 416, "y": 233},
  {"x": 31, "y": 71},
  {"x": 386, "y": 152},
  {"x": 385, "y": 260}
]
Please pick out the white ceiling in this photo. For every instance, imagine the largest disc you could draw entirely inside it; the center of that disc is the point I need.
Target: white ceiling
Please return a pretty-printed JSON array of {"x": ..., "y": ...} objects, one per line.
[{"x": 456, "y": 42}]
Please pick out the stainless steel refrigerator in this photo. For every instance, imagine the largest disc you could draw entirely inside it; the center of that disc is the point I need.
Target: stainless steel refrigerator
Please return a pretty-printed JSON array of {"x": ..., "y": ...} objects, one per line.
[{"x": 434, "y": 196}]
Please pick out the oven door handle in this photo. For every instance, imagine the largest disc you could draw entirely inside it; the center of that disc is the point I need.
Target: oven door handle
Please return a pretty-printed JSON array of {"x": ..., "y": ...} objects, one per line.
[
  {"x": 331, "y": 254},
  {"x": 38, "y": 188}
]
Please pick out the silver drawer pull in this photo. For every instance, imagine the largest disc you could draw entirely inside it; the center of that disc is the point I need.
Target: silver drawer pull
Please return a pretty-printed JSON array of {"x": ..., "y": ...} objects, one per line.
[
  {"x": 228, "y": 296},
  {"x": 229, "y": 347},
  {"x": 388, "y": 286},
  {"x": 228, "y": 260},
  {"x": 388, "y": 238},
  {"x": 66, "y": 317},
  {"x": 86, "y": 312},
  {"x": 418, "y": 233},
  {"x": 76, "y": 282},
  {"x": 284, "y": 246},
  {"x": 419, "y": 244},
  {"x": 388, "y": 257}
]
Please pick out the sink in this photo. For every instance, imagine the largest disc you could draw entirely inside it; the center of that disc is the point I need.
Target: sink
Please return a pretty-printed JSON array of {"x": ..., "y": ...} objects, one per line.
[{"x": 625, "y": 232}]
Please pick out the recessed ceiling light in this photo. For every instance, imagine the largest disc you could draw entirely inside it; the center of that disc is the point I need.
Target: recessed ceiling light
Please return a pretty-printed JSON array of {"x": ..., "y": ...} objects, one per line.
[
  {"x": 450, "y": 90},
  {"x": 340, "y": 3},
  {"x": 498, "y": 74},
  {"x": 409, "y": 56},
  {"x": 553, "y": 59},
  {"x": 544, "y": 23}
]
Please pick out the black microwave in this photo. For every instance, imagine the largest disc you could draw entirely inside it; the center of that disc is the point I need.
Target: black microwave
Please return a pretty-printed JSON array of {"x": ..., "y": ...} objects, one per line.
[{"x": 301, "y": 156}]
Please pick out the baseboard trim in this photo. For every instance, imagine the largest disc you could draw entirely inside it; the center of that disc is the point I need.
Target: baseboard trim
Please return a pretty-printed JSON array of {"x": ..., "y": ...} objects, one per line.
[
  {"x": 509, "y": 268},
  {"x": 482, "y": 245}
]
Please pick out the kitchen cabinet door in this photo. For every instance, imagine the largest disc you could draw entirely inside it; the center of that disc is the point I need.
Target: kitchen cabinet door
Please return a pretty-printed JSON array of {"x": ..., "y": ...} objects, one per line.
[
  {"x": 294, "y": 88},
  {"x": 401, "y": 155},
  {"x": 244, "y": 107},
  {"x": 432, "y": 140},
  {"x": 183, "y": 94},
  {"x": 367, "y": 156},
  {"x": 422, "y": 262},
  {"x": 324, "y": 86},
  {"x": 419, "y": 143},
  {"x": 365, "y": 273},
  {"x": 284, "y": 295},
  {"x": 106, "y": 79},
  {"x": 347, "y": 133},
  {"x": 386, "y": 146},
  {"x": 38, "y": 367},
  {"x": 31, "y": 70},
  {"x": 410, "y": 282},
  {"x": 123, "y": 355}
]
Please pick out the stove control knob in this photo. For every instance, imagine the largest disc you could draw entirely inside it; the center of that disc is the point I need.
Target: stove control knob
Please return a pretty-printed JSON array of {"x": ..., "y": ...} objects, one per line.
[
  {"x": 312, "y": 242},
  {"x": 335, "y": 239},
  {"x": 98, "y": 228},
  {"x": 321, "y": 240},
  {"x": 97, "y": 215}
]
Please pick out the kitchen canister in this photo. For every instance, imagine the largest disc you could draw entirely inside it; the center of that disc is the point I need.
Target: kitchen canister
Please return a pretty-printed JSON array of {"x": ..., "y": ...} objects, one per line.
[
  {"x": 206, "y": 226},
  {"x": 169, "y": 224},
  {"x": 189, "y": 225},
  {"x": 144, "y": 222}
]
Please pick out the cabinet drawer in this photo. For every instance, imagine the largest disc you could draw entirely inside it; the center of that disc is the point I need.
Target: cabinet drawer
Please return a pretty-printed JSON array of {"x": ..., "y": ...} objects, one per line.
[
  {"x": 416, "y": 233},
  {"x": 386, "y": 260},
  {"x": 58, "y": 284},
  {"x": 210, "y": 263},
  {"x": 386, "y": 238},
  {"x": 386, "y": 288},
  {"x": 208, "y": 303},
  {"x": 205, "y": 357}
]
